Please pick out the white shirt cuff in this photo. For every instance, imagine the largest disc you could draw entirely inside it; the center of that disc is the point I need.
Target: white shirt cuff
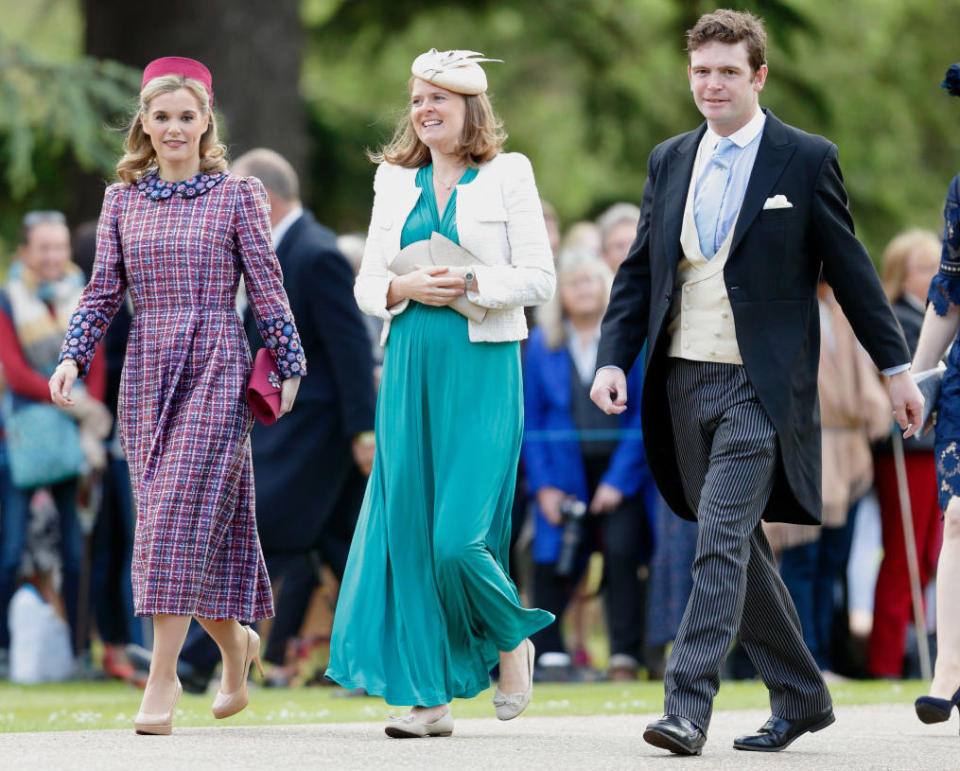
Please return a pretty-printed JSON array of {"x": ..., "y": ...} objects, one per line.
[
  {"x": 609, "y": 366},
  {"x": 890, "y": 371}
]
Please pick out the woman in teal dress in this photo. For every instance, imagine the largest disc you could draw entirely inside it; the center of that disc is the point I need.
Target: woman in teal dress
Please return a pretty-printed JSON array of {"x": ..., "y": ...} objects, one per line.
[{"x": 426, "y": 606}]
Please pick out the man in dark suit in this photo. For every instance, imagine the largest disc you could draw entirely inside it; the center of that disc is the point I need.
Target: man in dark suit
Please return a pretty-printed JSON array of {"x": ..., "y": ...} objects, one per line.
[
  {"x": 311, "y": 466},
  {"x": 738, "y": 218}
]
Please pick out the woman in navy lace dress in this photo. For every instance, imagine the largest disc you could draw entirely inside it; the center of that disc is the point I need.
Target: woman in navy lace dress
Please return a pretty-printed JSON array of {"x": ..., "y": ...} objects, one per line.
[
  {"x": 940, "y": 326},
  {"x": 177, "y": 233}
]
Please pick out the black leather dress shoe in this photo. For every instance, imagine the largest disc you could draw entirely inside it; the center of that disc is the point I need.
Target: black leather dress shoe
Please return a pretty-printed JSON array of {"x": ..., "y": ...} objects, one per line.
[
  {"x": 677, "y": 734},
  {"x": 778, "y": 733}
]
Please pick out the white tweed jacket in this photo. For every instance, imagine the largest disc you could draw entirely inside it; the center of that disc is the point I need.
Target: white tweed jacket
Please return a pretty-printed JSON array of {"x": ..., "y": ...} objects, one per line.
[{"x": 499, "y": 221}]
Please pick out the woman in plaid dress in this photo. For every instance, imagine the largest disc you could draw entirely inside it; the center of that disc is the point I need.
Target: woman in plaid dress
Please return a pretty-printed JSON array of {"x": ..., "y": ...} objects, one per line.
[{"x": 177, "y": 233}]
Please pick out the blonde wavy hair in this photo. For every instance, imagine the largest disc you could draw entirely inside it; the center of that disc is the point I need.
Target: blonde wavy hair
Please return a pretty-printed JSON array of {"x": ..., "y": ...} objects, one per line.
[
  {"x": 483, "y": 137},
  {"x": 896, "y": 258},
  {"x": 551, "y": 315},
  {"x": 139, "y": 156}
]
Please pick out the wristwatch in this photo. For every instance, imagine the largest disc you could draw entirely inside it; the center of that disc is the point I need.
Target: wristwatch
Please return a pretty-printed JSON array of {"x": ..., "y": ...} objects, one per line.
[{"x": 468, "y": 277}]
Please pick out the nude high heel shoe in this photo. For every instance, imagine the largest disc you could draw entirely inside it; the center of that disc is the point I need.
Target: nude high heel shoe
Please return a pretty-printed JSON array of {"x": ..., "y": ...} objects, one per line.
[
  {"x": 158, "y": 723},
  {"x": 227, "y": 704}
]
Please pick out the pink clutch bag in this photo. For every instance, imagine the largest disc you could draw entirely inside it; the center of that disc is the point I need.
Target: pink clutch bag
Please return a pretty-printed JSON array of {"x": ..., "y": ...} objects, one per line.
[{"x": 263, "y": 390}]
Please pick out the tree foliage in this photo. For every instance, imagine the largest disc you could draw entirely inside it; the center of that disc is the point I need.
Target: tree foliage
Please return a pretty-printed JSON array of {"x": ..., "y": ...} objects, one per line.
[
  {"x": 587, "y": 89},
  {"x": 51, "y": 108}
]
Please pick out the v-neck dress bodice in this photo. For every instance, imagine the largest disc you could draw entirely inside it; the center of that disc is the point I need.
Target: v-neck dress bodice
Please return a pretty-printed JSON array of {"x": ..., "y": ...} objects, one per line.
[{"x": 426, "y": 218}]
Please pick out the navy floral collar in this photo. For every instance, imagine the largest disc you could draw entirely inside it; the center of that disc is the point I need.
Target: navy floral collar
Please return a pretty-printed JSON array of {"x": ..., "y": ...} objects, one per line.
[{"x": 154, "y": 188}]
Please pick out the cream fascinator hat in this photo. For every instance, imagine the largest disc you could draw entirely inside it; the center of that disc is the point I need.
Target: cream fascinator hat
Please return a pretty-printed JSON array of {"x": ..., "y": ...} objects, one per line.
[{"x": 457, "y": 71}]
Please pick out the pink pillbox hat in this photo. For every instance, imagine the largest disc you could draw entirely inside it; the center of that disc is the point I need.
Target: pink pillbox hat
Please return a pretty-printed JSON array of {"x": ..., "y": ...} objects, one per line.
[{"x": 178, "y": 65}]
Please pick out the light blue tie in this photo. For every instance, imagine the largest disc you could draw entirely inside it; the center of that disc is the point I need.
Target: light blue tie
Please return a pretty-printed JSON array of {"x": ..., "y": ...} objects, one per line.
[{"x": 709, "y": 197}]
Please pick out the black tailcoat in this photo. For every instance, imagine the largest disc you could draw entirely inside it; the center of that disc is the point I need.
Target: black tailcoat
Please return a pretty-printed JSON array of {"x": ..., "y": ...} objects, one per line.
[
  {"x": 302, "y": 462},
  {"x": 771, "y": 278}
]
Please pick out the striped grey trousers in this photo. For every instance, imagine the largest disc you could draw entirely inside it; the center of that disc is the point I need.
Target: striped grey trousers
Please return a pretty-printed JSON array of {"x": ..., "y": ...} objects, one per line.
[{"x": 727, "y": 454}]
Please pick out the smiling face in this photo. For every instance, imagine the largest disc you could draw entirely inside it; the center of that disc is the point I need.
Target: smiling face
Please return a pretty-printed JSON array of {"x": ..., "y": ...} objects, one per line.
[
  {"x": 175, "y": 123},
  {"x": 437, "y": 115},
  {"x": 582, "y": 293},
  {"x": 47, "y": 250},
  {"x": 725, "y": 88}
]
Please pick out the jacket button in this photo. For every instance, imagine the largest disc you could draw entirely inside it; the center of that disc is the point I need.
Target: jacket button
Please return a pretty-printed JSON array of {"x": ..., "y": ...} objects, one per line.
[
  {"x": 686, "y": 326},
  {"x": 716, "y": 334},
  {"x": 724, "y": 315},
  {"x": 686, "y": 345}
]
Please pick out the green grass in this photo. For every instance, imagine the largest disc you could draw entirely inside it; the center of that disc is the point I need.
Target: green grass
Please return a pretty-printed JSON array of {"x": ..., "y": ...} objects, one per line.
[{"x": 86, "y": 706}]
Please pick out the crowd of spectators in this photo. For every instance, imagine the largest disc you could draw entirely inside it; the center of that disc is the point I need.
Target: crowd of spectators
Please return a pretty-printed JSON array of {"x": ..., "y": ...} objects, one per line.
[{"x": 590, "y": 529}]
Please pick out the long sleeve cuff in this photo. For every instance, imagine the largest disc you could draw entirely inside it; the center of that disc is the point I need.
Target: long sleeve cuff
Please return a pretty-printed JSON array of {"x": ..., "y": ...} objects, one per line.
[
  {"x": 890, "y": 371},
  {"x": 281, "y": 338},
  {"x": 86, "y": 330}
]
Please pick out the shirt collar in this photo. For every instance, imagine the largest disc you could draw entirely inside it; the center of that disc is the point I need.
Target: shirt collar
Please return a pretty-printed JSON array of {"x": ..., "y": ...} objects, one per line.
[
  {"x": 281, "y": 228},
  {"x": 742, "y": 136}
]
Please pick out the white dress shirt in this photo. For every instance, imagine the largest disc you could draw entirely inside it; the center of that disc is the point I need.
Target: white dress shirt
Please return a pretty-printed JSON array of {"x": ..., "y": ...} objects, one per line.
[
  {"x": 747, "y": 140},
  {"x": 583, "y": 351}
]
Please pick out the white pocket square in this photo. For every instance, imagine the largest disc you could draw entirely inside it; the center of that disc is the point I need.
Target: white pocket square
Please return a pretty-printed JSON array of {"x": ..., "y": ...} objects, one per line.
[{"x": 777, "y": 202}]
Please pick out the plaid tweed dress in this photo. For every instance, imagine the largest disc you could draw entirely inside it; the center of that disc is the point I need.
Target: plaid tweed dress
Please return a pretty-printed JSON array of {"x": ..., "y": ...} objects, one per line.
[{"x": 180, "y": 249}]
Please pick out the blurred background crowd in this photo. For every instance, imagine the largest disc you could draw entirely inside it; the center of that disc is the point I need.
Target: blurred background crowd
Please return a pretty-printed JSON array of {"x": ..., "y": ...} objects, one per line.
[{"x": 586, "y": 90}]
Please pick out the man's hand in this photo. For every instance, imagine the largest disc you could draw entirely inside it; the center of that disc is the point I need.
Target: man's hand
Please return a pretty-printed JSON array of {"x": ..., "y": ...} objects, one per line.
[
  {"x": 907, "y": 403},
  {"x": 549, "y": 500},
  {"x": 364, "y": 447},
  {"x": 609, "y": 391},
  {"x": 606, "y": 498}
]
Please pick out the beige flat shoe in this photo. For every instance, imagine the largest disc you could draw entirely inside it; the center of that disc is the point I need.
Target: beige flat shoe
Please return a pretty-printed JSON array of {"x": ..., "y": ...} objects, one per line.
[
  {"x": 227, "y": 704},
  {"x": 412, "y": 727},
  {"x": 157, "y": 723},
  {"x": 508, "y": 706}
]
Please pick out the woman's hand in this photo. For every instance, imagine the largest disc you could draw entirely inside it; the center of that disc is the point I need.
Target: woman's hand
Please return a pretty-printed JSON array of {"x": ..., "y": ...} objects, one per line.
[
  {"x": 288, "y": 394},
  {"x": 549, "y": 500},
  {"x": 430, "y": 285},
  {"x": 463, "y": 272},
  {"x": 61, "y": 382},
  {"x": 606, "y": 498}
]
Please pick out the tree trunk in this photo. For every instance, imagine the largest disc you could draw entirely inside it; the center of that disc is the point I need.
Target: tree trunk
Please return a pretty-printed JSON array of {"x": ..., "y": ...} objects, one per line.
[{"x": 253, "y": 49}]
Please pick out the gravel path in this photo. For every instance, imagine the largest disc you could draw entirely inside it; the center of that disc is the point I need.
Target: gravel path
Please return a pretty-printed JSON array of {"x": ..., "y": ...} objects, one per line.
[{"x": 864, "y": 737}]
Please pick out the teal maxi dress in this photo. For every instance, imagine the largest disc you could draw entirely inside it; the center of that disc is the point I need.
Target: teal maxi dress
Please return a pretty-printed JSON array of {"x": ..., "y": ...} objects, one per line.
[{"x": 426, "y": 601}]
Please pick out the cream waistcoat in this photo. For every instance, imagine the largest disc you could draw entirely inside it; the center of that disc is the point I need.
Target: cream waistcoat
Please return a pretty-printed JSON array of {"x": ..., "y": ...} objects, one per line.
[{"x": 701, "y": 326}]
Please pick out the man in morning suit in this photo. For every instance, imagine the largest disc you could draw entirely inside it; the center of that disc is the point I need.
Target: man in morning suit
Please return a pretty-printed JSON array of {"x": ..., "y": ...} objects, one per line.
[
  {"x": 311, "y": 466},
  {"x": 737, "y": 219}
]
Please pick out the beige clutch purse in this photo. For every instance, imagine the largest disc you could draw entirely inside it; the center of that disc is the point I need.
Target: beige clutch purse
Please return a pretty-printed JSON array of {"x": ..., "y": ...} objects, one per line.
[{"x": 440, "y": 250}]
